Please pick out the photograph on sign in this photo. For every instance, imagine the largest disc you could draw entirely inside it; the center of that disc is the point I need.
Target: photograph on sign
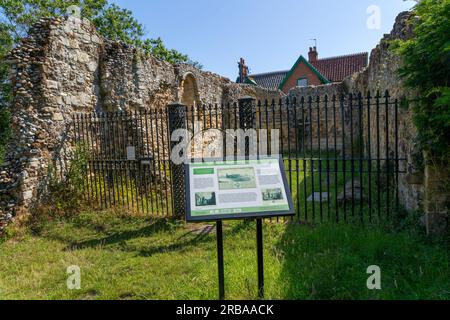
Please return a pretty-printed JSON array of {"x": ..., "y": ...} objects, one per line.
[
  {"x": 236, "y": 178},
  {"x": 218, "y": 190}
]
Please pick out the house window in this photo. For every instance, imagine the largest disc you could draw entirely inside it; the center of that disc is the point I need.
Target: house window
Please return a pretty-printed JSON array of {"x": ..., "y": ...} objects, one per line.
[{"x": 302, "y": 82}]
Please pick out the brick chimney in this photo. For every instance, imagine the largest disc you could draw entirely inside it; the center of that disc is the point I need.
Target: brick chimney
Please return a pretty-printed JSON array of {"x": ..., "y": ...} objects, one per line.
[
  {"x": 243, "y": 71},
  {"x": 313, "y": 55}
]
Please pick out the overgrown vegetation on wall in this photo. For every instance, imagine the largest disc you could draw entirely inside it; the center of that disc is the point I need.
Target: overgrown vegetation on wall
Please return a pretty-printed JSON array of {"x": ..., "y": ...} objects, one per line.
[
  {"x": 68, "y": 193},
  {"x": 427, "y": 68}
]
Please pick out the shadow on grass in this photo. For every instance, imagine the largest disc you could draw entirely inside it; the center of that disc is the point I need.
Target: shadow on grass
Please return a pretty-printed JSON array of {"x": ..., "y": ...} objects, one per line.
[
  {"x": 193, "y": 238},
  {"x": 119, "y": 239},
  {"x": 198, "y": 235},
  {"x": 121, "y": 236},
  {"x": 182, "y": 243}
]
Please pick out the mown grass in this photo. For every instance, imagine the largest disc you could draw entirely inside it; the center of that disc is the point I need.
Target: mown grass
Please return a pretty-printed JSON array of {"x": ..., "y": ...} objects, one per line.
[{"x": 124, "y": 257}]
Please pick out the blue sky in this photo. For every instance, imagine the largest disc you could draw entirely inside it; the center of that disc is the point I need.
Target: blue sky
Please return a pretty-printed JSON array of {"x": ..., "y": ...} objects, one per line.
[{"x": 269, "y": 34}]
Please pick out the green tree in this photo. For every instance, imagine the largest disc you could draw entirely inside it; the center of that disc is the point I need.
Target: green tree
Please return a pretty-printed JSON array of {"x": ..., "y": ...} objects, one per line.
[
  {"x": 116, "y": 23},
  {"x": 19, "y": 15},
  {"x": 112, "y": 22},
  {"x": 427, "y": 68}
]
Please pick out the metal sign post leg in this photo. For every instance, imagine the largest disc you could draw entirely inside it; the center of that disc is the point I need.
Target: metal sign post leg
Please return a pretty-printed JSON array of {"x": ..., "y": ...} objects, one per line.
[
  {"x": 220, "y": 260},
  {"x": 260, "y": 253}
]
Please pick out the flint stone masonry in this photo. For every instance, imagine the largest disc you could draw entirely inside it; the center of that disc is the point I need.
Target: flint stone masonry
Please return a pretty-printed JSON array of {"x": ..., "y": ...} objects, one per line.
[
  {"x": 51, "y": 78},
  {"x": 130, "y": 80},
  {"x": 381, "y": 74}
]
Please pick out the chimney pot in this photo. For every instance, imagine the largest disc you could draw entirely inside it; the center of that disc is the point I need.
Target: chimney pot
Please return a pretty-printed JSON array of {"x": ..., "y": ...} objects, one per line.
[
  {"x": 243, "y": 71},
  {"x": 313, "y": 55}
]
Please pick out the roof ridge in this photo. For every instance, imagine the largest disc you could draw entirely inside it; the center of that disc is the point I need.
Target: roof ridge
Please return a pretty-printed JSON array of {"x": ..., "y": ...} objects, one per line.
[
  {"x": 267, "y": 73},
  {"x": 345, "y": 56}
]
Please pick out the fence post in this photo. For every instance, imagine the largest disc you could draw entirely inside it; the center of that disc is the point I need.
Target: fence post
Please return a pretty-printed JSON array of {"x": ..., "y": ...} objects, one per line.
[
  {"x": 246, "y": 113},
  {"x": 177, "y": 120},
  {"x": 247, "y": 118}
]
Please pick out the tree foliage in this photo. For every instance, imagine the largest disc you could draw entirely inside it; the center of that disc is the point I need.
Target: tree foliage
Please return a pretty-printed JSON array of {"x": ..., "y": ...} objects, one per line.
[
  {"x": 116, "y": 23},
  {"x": 19, "y": 15},
  {"x": 427, "y": 68},
  {"x": 112, "y": 22}
]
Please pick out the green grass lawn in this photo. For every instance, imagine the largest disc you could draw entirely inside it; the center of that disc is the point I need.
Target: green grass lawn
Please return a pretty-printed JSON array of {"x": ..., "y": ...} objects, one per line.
[{"x": 123, "y": 257}]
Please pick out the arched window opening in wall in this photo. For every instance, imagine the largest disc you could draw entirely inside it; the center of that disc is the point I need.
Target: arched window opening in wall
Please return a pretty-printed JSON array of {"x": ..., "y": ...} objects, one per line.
[{"x": 189, "y": 91}]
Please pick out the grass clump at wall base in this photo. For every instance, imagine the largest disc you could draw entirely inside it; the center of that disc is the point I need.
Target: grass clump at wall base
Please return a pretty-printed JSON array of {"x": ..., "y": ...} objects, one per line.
[
  {"x": 67, "y": 190},
  {"x": 129, "y": 257}
]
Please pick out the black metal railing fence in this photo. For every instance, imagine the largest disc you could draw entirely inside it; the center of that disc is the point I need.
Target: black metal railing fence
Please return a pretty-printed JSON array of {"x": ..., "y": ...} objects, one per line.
[{"x": 341, "y": 153}]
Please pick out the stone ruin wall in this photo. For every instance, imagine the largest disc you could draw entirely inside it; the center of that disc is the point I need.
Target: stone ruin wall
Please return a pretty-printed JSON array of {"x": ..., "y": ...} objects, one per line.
[
  {"x": 64, "y": 67},
  {"x": 325, "y": 132},
  {"x": 53, "y": 73},
  {"x": 381, "y": 74}
]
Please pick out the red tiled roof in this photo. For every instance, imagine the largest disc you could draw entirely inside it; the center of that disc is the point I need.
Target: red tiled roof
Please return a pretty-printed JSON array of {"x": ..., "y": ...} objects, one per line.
[{"x": 336, "y": 69}]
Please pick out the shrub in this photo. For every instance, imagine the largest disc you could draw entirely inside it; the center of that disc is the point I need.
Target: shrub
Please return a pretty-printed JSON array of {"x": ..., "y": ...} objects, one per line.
[
  {"x": 427, "y": 68},
  {"x": 67, "y": 195}
]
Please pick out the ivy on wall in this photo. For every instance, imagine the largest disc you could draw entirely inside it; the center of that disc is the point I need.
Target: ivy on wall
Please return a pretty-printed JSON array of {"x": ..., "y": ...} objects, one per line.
[{"x": 427, "y": 68}]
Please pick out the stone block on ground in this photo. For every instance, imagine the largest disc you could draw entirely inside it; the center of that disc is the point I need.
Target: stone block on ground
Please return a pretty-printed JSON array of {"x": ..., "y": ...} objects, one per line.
[
  {"x": 316, "y": 197},
  {"x": 352, "y": 192}
]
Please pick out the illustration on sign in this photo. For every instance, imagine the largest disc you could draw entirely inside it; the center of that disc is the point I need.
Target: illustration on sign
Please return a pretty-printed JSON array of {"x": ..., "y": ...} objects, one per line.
[{"x": 236, "y": 178}]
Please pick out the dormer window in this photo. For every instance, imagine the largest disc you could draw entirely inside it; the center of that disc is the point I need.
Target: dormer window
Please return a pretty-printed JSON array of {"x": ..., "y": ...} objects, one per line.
[{"x": 302, "y": 82}]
